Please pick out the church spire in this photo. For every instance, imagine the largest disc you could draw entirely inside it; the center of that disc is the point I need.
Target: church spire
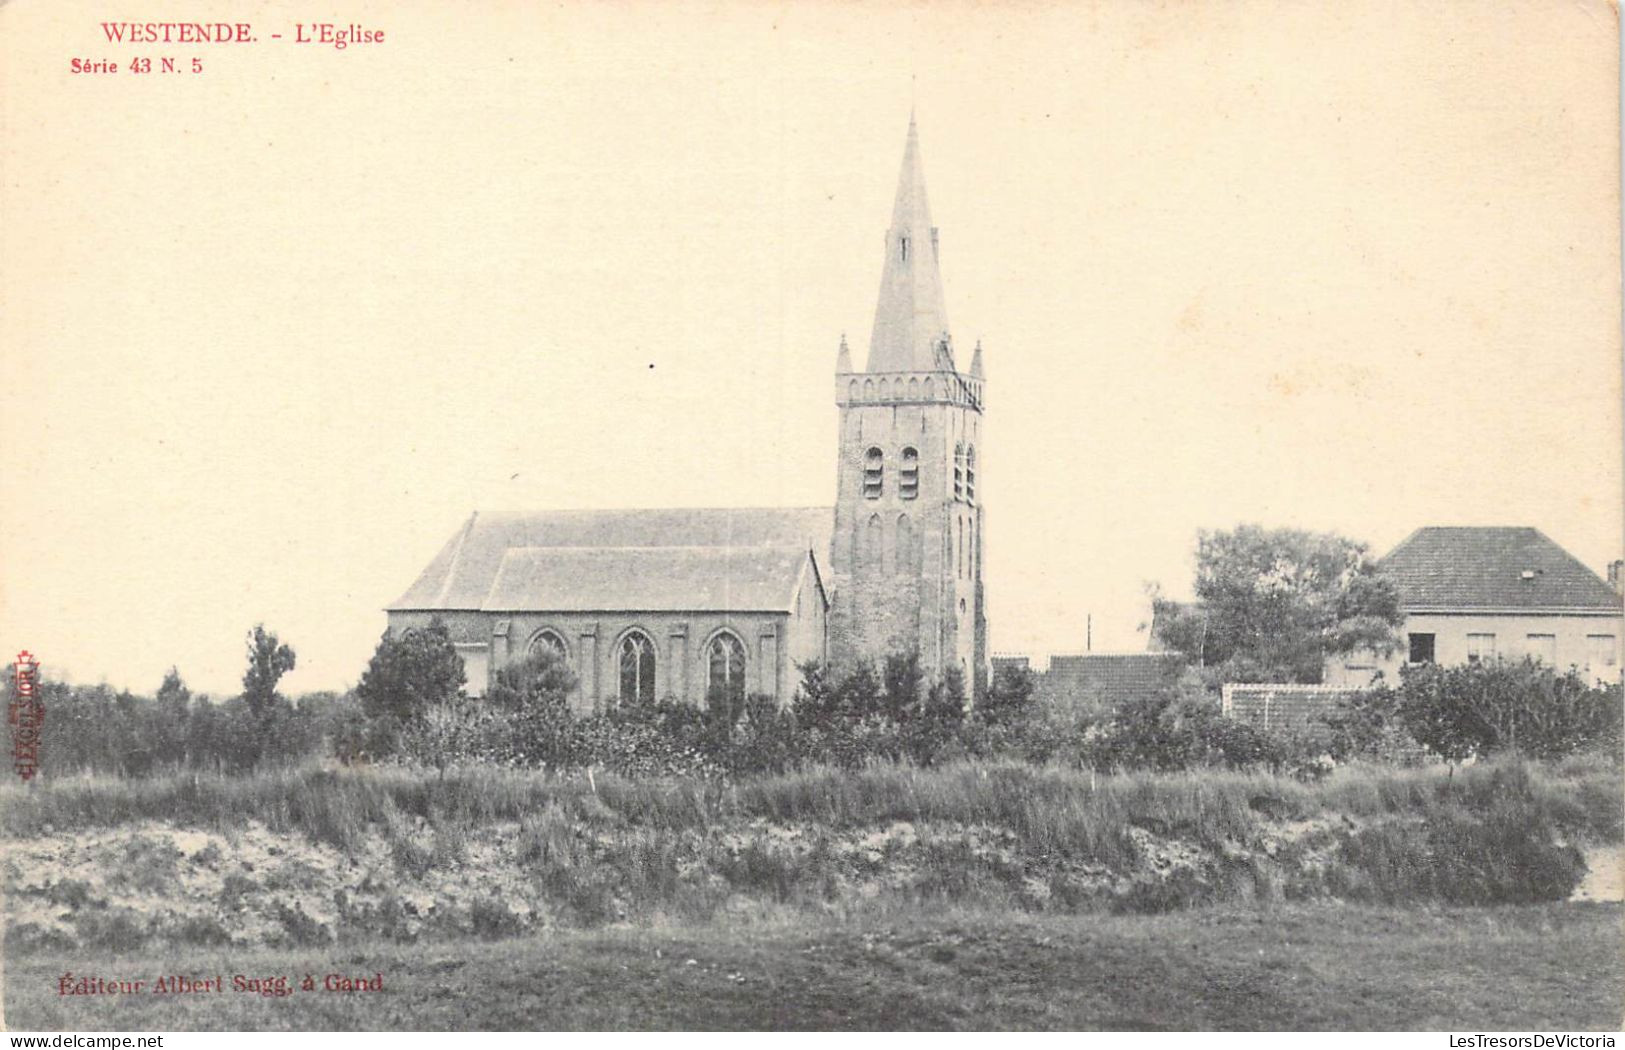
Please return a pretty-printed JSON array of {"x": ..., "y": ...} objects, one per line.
[
  {"x": 976, "y": 362},
  {"x": 843, "y": 358},
  {"x": 910, "y": 319}
]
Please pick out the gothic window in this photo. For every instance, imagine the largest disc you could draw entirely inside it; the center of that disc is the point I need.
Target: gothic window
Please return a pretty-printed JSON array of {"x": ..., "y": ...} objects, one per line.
[
  {"x": 885, "y": 391},
  {"x": 914, "y": 389},
  {"x": 868, "y": 389},
  {"x": 874, "y": 553},
  {"x": 548, "y": 641},
  {"x": 852, "y": 390},
  {"x": 959, "y": 471},
  {"x": 902, "y": 248},
  {"x": 874, "y": 473},
  {"x": 725, "y": 671},
  {"x": 903, "y": 561},
  {"x": 961, "y": 548},
  {"x": 908, "y": 480},
  {"x": 928, "y": 388},
  {"x": 637, "y": 659},
  {"x": 970, "y": 474}
]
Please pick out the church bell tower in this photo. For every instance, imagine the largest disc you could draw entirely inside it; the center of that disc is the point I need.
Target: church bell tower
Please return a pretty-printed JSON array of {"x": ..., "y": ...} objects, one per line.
[{"x": 906, "y": 556}]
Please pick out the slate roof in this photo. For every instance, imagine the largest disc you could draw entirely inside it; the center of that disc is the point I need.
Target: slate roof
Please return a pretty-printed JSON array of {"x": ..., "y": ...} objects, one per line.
[
  {"x": 625, "y": 560},
  {"x": 1475, "y": 568},
  {"x": 1110, "y": 677}
]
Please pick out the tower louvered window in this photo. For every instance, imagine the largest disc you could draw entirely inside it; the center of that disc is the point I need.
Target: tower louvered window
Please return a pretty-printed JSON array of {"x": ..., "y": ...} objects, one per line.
[
  {"x": 874, "y": 473},
  {"x": 908, "y": 481},
  {"x": 970, "y": 474},
  {"x": 959, "y": 471}
]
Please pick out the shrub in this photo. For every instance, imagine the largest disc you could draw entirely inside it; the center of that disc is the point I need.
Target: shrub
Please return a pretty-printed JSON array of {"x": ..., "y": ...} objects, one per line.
[
  {"x": 1523, "y": 706},
  {"x": 410, "y": 674}
]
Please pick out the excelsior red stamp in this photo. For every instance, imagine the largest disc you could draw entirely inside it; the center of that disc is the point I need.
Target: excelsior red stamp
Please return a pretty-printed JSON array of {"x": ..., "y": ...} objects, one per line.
[{"x": 26, "y": 715}]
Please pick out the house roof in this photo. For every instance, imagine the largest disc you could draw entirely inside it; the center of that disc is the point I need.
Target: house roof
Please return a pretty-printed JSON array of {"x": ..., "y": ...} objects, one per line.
[
  {"x": 631, "y": 560},
  {"x": 1476, "y": 568},
  {"x": 1110, "y": 677}
]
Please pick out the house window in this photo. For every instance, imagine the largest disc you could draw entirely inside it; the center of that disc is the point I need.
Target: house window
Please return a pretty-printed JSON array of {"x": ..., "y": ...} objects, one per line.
[
  {"x": 1421, "y": 648},
  {"x": 547, "y": 641},
  {"x": 908, "y": 482},
  {"x": 725, "y": 672},
  {"x": 1543, "y": 647},
  {"x": 1602, "y": 651},
  {"x": 637, "y": 669},
  {"x": 959, "y": 471},
  {"x": 970, "y": 474},
  {"x": 1480, "y": 648},
  {"x": 874, "y": 473}
]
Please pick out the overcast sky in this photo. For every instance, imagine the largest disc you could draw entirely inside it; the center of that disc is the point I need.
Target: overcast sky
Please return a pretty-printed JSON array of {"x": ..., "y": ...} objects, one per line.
[{"x": 271, "y": 332}]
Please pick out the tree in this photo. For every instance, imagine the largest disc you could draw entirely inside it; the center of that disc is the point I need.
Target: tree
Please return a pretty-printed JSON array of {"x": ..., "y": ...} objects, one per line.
[
  {"x": 1273, "y": 604},
  {"x": 1500, "y": 705},
  {"x": 174, "y": 708},
  {"x": 409, "y": 674},
  {"x": 534, "y": 694},
  {"x": 268, "y": 661}
]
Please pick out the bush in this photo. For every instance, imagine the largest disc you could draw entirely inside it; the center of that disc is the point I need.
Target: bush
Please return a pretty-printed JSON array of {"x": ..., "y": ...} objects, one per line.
[
  {"x": 1523, "y": 706},
  {"x": 1501, "y": 850},
  {"x": 410, "y": 674}
]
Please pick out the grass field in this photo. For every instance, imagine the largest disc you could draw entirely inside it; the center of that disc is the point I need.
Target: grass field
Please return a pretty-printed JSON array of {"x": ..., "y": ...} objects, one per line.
[{"x": 1317, "y": 966}]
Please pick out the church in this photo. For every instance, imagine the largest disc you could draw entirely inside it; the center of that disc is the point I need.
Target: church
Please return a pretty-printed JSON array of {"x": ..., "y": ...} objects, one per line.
[{"x": 698, "y": 603}]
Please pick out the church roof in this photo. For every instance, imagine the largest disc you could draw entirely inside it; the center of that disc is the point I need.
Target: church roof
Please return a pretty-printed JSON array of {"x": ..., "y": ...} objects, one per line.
[
  {"x": 648, "y": 579},
  {"x": 1502, "y": 568},
  {"x": 629, "y": 560},
  {"x": 910, "y": 317}
]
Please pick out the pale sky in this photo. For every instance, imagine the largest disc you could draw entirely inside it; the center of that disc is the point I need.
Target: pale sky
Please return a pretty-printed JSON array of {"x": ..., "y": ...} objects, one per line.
[{"x": 269, "y": 333}]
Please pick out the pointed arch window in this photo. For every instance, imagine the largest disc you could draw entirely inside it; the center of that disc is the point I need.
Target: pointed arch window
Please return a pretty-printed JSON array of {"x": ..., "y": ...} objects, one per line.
[
  {"x": 637, "y": 662},
  {"x": 725, "y": 672},
  {"x": 930, "y": 391},
  {"x": 903, "y": 560},
  {"x": 874, "y": 473},
  {"x": 970, "y": 474},
  {"x": 874, "y": 550},
  {"x": 902, "y": 248},
  {"x": 550, "y": 642},
  {"x": 908, "y": 477},
  {"x": 959, "y": 471},
  {"x": 914, "y": 388},
  {"x": 961, "y": 548}
]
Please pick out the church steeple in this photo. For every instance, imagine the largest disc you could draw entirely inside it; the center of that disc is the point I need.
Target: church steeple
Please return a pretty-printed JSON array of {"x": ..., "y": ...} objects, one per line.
[
  {"x": 843, "y": 358},
  {"x": 910, "y": 319}
]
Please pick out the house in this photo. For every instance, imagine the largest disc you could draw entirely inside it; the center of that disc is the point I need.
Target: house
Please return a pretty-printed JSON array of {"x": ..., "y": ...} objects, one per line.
[
  {"x": 1476, "y": 593},
  {"x": 685, "y": 603}
]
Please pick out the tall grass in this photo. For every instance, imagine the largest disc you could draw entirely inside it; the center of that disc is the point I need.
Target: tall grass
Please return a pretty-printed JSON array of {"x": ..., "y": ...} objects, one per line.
[{"x": 1050, "y": 810}]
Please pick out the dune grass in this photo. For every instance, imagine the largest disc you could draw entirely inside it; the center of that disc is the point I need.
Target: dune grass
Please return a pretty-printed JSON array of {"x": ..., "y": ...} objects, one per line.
[{"x": 1049, "y": 809}]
